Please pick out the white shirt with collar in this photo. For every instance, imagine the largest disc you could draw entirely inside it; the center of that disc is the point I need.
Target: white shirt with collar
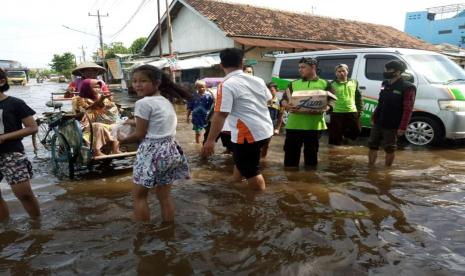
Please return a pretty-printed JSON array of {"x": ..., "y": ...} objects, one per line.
[{"x": 245, "y": 98}]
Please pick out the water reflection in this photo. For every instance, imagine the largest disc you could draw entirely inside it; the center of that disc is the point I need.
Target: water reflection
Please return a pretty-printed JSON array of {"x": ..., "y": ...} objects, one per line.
[{"x": 341, "y": 219}]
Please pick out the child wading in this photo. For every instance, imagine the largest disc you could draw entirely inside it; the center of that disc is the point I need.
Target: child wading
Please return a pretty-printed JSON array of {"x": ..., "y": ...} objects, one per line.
[
  {"x": 160, "y": 160},
  {"x": 14, "y": 166},
  {"x": 200, "y": 106}
]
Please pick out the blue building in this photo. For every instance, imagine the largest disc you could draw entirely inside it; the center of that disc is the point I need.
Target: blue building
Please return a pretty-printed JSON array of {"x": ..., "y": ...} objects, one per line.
[{"x": 445, "y": 24}]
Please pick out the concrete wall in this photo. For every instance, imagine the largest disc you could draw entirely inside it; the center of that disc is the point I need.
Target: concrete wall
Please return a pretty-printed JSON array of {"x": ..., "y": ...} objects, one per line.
[
  {"x": 449, "y": 30},
  {"x": 191, "y": 33}
]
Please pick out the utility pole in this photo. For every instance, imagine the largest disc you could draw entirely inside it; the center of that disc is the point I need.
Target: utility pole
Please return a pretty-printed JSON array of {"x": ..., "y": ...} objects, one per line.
[
  {"x": 159, "y": 30},
  {"x": 101, "y": 39},
  {"x": 313, "y": 8},
  {"x": 170, "y": 37},
  {"x": 83, "y": 53},
  {"x": 170, "y": 31}
]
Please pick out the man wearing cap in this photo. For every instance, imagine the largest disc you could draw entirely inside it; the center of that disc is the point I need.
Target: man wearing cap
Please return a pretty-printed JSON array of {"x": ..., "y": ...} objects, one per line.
[
  {"x": 392, "y": 114},
  {"x": 303, "y": 127},
  {"x": 345, "y": 116},
  {"x": 87, "y": 70}
]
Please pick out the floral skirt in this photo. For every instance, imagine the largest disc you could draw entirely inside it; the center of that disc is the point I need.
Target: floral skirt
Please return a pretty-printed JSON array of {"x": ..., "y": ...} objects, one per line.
[{"x": 159, "y": 162}]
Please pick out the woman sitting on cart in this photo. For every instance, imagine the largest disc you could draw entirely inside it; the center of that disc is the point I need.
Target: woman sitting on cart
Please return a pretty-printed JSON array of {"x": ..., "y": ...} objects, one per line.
[{"x": 100, "y": 112}]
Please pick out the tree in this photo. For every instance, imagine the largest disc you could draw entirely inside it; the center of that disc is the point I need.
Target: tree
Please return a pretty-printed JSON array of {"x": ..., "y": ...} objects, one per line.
[
  {"x": 63, "y": 64},
  {"x": 116, "y": 48},
  {"x": 137, "y": 45},
  {"x": 119, "y": 48},
  {"x": 33, "y": 73}
]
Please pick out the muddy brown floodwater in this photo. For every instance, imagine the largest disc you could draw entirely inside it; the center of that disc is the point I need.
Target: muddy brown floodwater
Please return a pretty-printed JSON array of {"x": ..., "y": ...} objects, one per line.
[{"x": 341, "y": 219}]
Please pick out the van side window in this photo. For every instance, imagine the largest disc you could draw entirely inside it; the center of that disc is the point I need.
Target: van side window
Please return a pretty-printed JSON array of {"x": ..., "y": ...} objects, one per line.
[
  {"x": 374, "y": 66},
  {"x": 327, "y": 64},
  {"x": 289, "y": 69}
]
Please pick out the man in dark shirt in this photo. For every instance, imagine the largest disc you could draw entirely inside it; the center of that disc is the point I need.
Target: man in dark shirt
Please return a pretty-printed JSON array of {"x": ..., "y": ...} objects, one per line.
[{"x": 391, "y": 116}]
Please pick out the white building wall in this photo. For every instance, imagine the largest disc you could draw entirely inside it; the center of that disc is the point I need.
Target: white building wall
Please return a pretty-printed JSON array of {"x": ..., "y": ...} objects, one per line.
[
  {"x": 264, "y": 65},
  {"x": 263, "y": 70},
  {"x": 191, "y": 33}
]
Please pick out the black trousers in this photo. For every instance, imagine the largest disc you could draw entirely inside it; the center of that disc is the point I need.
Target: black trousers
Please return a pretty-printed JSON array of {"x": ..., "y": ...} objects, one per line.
[
  {"x": 295, "y": 138},
  {"x": 247, "y": 157},
  {"x": 343, "y": 124}
]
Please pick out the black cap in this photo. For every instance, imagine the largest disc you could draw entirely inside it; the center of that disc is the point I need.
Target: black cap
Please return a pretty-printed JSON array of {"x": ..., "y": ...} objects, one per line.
[{"x": 308, "y": 60}]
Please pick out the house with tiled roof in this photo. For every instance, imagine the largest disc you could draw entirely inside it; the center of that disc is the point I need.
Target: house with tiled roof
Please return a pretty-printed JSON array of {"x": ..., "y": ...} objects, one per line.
[{"x": 204, "y": 27}]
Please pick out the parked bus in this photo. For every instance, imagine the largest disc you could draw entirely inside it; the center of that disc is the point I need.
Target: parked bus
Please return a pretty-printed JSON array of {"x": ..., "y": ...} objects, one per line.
[
  {"x": 17, "y": 74},
  {"x": 17, "y": 77}
]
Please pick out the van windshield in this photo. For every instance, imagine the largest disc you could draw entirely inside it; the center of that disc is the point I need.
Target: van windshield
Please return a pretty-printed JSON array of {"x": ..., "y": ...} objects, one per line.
[
  {"x": 436, "y": 68},
  {"x": 16, "y": 74}
]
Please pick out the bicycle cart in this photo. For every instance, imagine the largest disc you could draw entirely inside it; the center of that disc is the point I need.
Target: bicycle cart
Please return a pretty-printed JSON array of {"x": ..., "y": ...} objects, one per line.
[{"x": 61, "y": 134}]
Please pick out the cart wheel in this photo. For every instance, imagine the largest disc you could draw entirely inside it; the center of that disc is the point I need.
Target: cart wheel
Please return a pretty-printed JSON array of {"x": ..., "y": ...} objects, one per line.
[
  {"x": 62, "y": 159},
  {"x": 44, "y": 136}
]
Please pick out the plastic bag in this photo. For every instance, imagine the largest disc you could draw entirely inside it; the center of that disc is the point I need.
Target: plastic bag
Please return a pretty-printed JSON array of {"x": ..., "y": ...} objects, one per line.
[{"x": 122, "y": 129}]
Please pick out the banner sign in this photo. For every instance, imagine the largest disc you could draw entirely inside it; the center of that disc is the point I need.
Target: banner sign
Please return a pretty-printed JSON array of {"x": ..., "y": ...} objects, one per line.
[{"x": 114, "y": 65}]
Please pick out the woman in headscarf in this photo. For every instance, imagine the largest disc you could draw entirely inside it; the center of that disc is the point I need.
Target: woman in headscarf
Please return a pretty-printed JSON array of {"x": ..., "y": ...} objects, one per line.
[{"x": 100, "y": 112}]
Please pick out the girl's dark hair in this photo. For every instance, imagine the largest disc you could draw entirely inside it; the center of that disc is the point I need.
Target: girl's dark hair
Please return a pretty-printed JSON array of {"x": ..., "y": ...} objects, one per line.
[
  {"x": 168, "y": 88},
  {"x": 3, "y": 76}
]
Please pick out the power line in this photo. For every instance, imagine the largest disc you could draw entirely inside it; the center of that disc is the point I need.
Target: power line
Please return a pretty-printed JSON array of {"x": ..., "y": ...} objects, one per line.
[
  {"x": 95, "y": 3},
  {"x": 43, "y": 36},
  {"x": 79, "y": 31},
  {"x": 143, "y": 2},
  {"x": 115, "y": 4},
  {"x": 103, "y": 4}
]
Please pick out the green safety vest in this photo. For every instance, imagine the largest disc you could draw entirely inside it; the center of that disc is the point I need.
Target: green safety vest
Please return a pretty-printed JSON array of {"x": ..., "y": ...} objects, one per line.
[
  {"x": 307, "y": 121},
  {"x": 345, "y": 93}
]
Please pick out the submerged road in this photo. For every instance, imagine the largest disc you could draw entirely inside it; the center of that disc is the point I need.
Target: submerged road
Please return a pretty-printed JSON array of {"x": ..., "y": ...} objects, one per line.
[{"x": 341, "y": 219}]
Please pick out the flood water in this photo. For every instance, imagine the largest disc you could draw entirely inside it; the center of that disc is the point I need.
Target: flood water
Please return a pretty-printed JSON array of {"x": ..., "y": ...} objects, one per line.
[{"x": 341, "y": 219}]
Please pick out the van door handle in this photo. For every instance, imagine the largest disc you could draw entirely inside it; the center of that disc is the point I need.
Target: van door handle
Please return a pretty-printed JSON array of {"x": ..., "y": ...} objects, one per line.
[{"x": 362, "y": 87}]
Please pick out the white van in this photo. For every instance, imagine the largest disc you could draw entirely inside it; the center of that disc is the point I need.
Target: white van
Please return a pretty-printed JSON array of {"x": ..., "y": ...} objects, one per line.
[{"x": 439, "y": 110}]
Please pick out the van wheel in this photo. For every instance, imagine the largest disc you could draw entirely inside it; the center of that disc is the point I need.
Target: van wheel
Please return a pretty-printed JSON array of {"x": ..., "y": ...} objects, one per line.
[{"x": 423, "y": 131}]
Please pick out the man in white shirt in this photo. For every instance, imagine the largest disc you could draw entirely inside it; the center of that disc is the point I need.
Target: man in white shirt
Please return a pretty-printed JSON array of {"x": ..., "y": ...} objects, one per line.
[{"x": 244, "y": 99}]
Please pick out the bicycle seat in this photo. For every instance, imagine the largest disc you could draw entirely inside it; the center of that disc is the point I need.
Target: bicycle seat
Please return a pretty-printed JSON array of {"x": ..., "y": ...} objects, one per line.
[{"x": 55, "y": 105}]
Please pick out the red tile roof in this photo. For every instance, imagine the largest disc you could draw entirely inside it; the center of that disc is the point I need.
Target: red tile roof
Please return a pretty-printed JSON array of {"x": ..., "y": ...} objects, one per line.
[{"x": 239, "y": 20}]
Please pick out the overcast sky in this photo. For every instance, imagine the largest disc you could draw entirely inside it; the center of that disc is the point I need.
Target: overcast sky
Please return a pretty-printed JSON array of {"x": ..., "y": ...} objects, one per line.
[{"x": 31, "y": 31}]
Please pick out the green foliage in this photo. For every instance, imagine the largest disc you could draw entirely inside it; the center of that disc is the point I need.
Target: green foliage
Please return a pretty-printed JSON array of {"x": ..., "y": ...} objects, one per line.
[
  {"x": 116, "y": 48},
  {"x": 63, "y": 64},
  {"x": 44, "y": 73},
  {"x": 137, "y": 45},
  {"x": 32, "y": 73},
  {"x": 119, "y": 48}
]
